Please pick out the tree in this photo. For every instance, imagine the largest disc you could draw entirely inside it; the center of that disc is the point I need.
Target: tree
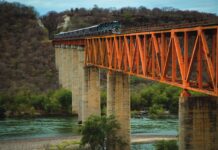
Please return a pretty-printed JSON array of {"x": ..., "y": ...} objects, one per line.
[
  {"x": 51, "y": 21},
  {"x": 64, "y": 97},
  {"x": 166, "y": 145},
  {"x": 100, "y": 133}
]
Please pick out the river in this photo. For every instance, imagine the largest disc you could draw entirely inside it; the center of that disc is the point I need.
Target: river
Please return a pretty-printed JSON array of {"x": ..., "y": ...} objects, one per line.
[{"x": 43, "y": 127}]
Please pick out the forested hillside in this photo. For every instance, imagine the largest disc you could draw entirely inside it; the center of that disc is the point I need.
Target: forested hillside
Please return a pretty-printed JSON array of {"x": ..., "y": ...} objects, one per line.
[
  {"x": 26, "y": 54},
  {"x": 129, "y": 17}
]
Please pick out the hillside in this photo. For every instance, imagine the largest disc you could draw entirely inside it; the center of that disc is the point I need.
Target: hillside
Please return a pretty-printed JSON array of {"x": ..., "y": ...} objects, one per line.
[
  {"x": 129, "y": 17},
  {"x": 27, "y": 56}
]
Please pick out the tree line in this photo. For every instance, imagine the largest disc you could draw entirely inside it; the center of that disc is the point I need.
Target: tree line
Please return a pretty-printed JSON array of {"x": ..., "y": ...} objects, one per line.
[
  {"x": 128, "y": 16},
  {"x": 30, "y": 103}
]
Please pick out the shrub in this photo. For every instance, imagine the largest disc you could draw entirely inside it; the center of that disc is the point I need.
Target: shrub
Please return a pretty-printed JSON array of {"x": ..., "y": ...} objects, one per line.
[
  {"x": 26, "y": 102},
  {"x": 166, "y": 145},
  {"x": 52, "y": 105},
  {"x": 100, "y": 133},
  {"x": 156, "y": 94},
  {"x": 136, "y": 103},
  {"x": 156, "y": 110},
  {"x": 64, "y": 98},
  {"x": 38, "y": 101}
]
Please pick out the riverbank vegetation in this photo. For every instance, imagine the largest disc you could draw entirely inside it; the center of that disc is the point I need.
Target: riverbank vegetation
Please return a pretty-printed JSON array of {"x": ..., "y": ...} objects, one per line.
[
  {"x": 28, "y": 103},
  {"x": 156, "y": 99},
  {"x": 166, "y": 145},
  {"x": 105, "y": 130}
]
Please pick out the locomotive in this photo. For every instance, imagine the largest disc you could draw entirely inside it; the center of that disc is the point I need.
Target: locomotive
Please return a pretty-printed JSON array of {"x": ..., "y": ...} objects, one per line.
[{"x": 113, "y": 27}]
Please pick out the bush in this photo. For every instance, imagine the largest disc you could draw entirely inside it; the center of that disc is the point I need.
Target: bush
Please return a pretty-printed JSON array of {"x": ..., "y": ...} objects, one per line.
[
  {"x": 100, "y": 133},
  {"x": 52, "y": 105},
  {"x": 147, "y": 96},
  {"x": 156, "y": 95},
  {"x": 156, "y": 111},
  {"x": 136, "y": 103},
  {"x": 26, "y": 102},
  {"x": 64, "y": 98},
  {"x": 37, "y": 101},
  {"x": 166, "y": 145},
  {"x": 136, "y": 80}
]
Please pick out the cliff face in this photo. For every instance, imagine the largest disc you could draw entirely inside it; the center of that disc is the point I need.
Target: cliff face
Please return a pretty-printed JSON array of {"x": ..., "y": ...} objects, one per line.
[{"x": 26, "y": 54}]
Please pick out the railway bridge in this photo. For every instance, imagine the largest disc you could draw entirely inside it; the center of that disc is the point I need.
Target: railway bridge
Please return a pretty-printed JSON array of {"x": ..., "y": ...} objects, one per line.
[{"x": 185, "y": 57}]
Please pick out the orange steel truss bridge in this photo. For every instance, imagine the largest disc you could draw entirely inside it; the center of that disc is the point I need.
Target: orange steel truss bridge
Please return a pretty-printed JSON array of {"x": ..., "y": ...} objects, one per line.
[{"x": 186, "y": 57}]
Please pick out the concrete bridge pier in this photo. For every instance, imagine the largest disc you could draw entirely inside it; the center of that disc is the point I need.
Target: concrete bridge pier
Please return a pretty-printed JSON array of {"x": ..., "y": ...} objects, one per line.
[
  {"x": 61, "y": 64},
  {"x": 58, "y": 61},
  {"x": 91, "y": 92},
  {"x": 57, "y": 54},
  {"x": 81, "y": 53},
  {"x": 75, "y": 80},
  {"x": 68, "y": 65},
  {"x": 198, "y": 121},
  {"x": 64, "y": 66},
  {"x": 118, "y": 103},
  {"x": 77, "y": 73}
]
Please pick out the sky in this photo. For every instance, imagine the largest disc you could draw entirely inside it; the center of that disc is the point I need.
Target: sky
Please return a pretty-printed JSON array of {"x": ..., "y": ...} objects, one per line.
[{"x": 44, "y": 6}]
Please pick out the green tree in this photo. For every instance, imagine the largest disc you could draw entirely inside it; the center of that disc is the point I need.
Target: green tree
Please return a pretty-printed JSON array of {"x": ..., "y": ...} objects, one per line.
[
  {"x": 147, "y": 96},
  {"x": 38, "y": 101},
  {"x": 136, "y": 101},
  {"x": 64, "y": 97},
  {"x": 100, "y": 133},
  {"x": 166, "y": 145},
  {"x": 156, "y": 110},
  {"x": 160, "y": 95}
]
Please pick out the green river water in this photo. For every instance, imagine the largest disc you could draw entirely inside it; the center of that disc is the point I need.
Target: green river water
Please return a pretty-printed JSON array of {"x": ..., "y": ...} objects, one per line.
[{"x": 28, "y": 128}]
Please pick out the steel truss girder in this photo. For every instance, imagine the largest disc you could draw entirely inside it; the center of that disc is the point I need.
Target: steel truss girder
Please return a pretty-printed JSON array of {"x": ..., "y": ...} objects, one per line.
[{"x": 186, "y": 58}]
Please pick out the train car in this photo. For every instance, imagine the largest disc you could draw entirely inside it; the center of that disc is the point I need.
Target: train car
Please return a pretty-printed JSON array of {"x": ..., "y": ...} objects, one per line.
[{"x": 113, "y": 27}]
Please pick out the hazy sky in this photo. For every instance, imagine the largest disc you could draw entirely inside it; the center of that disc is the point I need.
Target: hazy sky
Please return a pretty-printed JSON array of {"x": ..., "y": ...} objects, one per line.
[{"x": 43, "y": 6}]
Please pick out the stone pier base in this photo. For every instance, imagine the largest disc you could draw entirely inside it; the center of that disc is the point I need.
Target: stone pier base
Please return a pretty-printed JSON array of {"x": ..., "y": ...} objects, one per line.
[
  {"x": 118, "y": 103},
  {"x": 198, "y": 121},
  {"x": 91, "y": 93}
]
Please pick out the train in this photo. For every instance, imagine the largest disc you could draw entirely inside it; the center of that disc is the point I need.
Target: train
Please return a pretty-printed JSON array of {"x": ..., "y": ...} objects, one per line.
[{"x": 113, "y": 27}]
